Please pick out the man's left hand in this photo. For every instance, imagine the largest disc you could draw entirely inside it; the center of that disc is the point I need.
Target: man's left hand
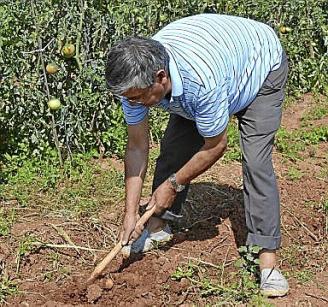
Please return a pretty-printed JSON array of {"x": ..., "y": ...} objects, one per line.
[{"x": 162, "y": 198}]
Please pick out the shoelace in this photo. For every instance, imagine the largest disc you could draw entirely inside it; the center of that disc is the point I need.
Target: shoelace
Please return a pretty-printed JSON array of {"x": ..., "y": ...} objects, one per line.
[{"x": 263, "y": 282}]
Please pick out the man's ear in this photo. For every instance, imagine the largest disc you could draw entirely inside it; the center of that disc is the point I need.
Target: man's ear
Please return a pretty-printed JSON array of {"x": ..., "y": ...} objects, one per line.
[{"x": 161, "y": 76}]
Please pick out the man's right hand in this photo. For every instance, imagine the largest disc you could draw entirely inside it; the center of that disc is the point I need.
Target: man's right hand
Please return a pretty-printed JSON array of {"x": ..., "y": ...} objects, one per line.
[{"x": 129, "y": 231}]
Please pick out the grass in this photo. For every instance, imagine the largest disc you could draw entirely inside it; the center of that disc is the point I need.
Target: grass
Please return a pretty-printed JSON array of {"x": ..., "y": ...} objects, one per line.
[
  {"x": 292, "y": 254},
  {"x": 303, "y": 276},
  {"x": 81, "y": 188},
  {"x": 7, "y": 288},
  {"x": 294, "y": 173},
  {"x": 291, "y": 144},
  {"x": 6, "y": 221},
  {"x": 319, "y": 111},
  {"x": 233, "y": 152},
  {"x": 238, "y": 287}
]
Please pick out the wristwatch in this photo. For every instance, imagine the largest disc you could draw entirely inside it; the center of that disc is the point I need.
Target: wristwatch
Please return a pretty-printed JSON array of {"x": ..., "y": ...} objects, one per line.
[{"x": 177, "y": 187}]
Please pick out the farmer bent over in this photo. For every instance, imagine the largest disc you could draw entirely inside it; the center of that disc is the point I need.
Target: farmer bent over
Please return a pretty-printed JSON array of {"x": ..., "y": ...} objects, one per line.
[{"x": 203, "y": 69}]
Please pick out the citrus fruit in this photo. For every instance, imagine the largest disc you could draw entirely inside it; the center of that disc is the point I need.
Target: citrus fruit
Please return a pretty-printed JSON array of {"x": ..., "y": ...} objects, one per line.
[
  {"x": 68, "y": 50},
  {"x": 52, "y": 68},
  {"x": 283, "y": 29},
  {"x": 54, "y": 104}
]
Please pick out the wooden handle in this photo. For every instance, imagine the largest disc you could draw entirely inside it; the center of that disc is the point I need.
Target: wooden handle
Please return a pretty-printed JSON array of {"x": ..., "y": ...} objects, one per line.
[{"x": 110, "y": 256}]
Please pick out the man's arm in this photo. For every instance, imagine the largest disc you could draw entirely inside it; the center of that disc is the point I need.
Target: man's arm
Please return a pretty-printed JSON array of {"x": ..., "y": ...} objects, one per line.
[
  {"x": 136, "y": 160},
  {"x": 212, "y": 150}
]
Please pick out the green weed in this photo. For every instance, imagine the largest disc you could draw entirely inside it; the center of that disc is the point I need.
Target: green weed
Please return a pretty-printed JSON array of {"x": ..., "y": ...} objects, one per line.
[
  {"x": 233, "y": 152},
  {"x": 319, "y": 111},
  {"x": 6, "y": 221},
  {"x": 7, "y": 288},
  {"x": 249, "y": 258},
  {"x": 241, "y": 287},
  {"x": 80, "y": 188},
  {"x": 294, "y": 173},
  {"x": 325, "y": 206},
  {"x": 291, "y": 144},
  {"x": 303, "y": 276},
  {"x": 293, "y": 255},
  {"x": 184, "y": 271},
  {"x": 26, "y": 246}
]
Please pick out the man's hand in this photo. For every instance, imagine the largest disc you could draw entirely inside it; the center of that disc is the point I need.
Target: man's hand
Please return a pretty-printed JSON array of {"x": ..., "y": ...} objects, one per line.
[
  {"x": 162, "y": 198},
  {"x": 129, "y": 232}
]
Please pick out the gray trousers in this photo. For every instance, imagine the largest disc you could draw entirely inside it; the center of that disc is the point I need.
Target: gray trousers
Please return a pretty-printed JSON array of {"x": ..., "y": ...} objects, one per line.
[{"x": 258, "y": 124}]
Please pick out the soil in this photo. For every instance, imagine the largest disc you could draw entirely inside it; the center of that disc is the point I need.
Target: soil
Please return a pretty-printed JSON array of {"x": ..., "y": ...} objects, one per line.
[{"x": 212, "y": 229}]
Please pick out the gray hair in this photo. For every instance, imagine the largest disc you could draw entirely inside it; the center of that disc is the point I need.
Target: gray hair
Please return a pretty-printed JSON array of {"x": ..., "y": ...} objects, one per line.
[{"x": 133, "y": 63}]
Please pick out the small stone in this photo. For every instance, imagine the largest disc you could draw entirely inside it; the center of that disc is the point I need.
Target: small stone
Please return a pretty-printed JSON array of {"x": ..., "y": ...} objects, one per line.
[
  {"x": 94, "y": 292},
  {"x": 184, "y": 282},
  {"x": 108, "y": 284}
]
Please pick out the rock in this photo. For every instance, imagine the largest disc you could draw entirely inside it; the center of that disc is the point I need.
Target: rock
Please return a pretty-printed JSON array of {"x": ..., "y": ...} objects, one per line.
[
  {"x": 108, "y": 284},
  {"x": 184, "y": 283},
  {"x": 94, "y": 292}
]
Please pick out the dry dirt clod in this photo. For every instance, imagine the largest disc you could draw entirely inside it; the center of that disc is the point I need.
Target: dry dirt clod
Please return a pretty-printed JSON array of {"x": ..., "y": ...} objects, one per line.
[
  {"x": 184, "y": 283},
  {"x": 108, "y": 284},
  {"x": 94, "y": 292}
]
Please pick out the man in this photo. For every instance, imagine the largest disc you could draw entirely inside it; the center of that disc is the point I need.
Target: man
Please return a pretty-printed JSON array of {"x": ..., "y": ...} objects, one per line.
[{"x": 203, "y": 69}]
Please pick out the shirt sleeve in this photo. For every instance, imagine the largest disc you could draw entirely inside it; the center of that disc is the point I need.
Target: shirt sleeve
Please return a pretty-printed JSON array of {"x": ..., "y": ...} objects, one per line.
[
  {"x": 212, "y": 112},
  {"x": 133, "y": 114}
]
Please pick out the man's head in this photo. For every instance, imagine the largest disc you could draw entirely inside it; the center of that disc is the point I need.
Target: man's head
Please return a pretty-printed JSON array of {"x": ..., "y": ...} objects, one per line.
[{"x": 137, "y": 68}]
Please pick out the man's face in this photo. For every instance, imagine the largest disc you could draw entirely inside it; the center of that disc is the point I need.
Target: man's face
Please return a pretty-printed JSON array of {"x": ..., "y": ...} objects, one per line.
[{"x": 151, "y": 95}]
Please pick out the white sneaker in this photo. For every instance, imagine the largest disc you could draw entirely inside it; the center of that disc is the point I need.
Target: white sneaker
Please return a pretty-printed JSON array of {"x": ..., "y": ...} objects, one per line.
[
  {"x": 147, "y": 241},
  {"x": 273, "y": 283}
]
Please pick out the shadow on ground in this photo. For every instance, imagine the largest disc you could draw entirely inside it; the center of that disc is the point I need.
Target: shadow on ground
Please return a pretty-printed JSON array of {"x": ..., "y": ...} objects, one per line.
[{"x": 206, "y": 207}]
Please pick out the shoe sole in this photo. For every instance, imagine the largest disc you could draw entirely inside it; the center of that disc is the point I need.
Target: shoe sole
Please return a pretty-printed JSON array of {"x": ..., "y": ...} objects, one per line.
[{"x": 274, "y": 293}]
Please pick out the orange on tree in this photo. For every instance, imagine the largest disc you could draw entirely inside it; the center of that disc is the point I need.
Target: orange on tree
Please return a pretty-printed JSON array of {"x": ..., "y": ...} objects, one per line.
[
  {"x": 52, "y": 68},
  {"x": 68, "y": 51},
  {"x": 284, "y": 29},
  {"x": 54, "y": 104}
]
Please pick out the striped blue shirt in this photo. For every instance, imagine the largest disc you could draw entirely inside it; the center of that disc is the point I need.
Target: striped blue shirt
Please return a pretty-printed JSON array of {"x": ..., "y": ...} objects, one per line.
[{"x": 217, "y": 66}]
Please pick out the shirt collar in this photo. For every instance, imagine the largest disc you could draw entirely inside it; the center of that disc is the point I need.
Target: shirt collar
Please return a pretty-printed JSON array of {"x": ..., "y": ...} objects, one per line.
[{"x": 176, "y": 81}]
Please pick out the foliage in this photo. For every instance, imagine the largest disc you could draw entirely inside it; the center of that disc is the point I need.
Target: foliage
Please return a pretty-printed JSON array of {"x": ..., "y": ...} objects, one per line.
[
  {"x": 32, "y": 35},
  {"x": 249, "y": 258},
  {"x": 294, "y": 173},
  {"x": 292, "y": 143},
  {"x": 240, "y": 287},
  {"x": 81, "y": 188},
  {"x": 233, "y": 150},
  {"x": 6, "y": 221},
  {"x": 7, "y": 288}
]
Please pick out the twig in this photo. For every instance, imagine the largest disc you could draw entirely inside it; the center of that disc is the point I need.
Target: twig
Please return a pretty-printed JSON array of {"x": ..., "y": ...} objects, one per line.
[
  {"x": 200, "y": 221},
  {"x": 217, "y": 190},
  {"x": 214, "y": 288},
  {"x": 311, "y": 234},
  {"x": 67, "y": 246},
  {"x": 203, "y": 262},
  {"x": 223, "y": 265},
  {"x": 184, "y": 297},
  {"x": 65, "y": 236},
  {"x": 285, "y": 229},
  {"x": 79, "y": 34},
  {"x": 218, "y": 244},
  {"x": 317, "y": 297},
  {"x": 39, "y": 50}
]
